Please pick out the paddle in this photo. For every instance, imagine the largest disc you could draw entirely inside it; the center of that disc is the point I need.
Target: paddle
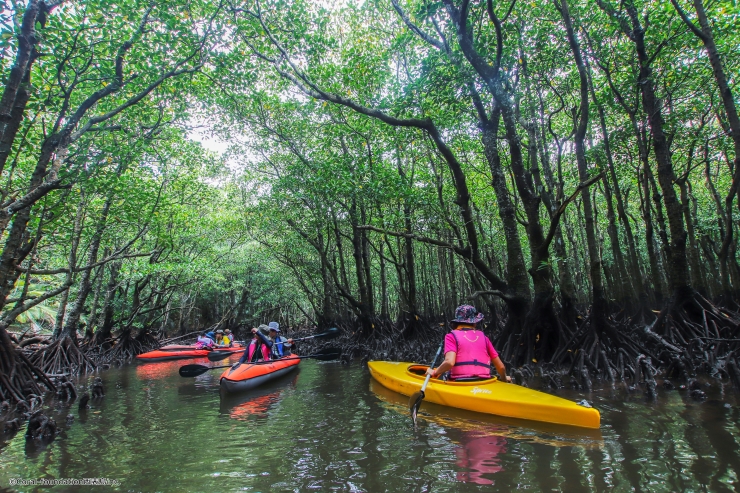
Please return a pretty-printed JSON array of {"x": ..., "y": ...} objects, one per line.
[
  {"x": 327, "y": 354},
  {"x": 220, "y": 355},
  {"x": 417, "y": 397}
]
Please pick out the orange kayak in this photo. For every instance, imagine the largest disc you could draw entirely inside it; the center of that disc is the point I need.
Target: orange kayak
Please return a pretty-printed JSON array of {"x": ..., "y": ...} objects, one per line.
[
  {"x": 179, "y": 352},
  {"x": 246, "y": 376}
]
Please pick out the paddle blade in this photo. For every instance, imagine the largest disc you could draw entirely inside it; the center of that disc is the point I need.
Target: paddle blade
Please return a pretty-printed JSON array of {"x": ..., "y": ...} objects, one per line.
[
  {"x": 220, "y": 355},
  {"x": 327, "y": 354},
  {"x": 415, "y": 404},
  {"x": 193, "y": 370},
  {"x": 330, "y": 333}
]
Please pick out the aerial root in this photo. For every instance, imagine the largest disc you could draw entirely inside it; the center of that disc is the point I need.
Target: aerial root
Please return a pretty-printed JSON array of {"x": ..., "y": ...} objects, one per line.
[
  {"x": 63, "y": 357},
  {"x": 125, "y": 347}
]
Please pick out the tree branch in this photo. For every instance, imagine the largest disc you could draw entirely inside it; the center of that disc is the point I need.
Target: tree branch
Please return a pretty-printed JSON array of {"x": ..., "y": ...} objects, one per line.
[
  {"x": 558, "y": 213},
  {"x": 500, "y": 294},
  {"x": 423, "y": 239},
  {"x": 12, "y": 314},
  {"x": 697, "y": 32},
  {"x": 87, "y": 267},
  {"x": 436, "y": 43}
]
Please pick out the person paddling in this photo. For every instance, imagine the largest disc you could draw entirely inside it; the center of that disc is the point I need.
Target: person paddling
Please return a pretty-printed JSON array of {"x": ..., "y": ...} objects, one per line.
[
  {"x": 259, "y": 346},
  {"x": 281, "y": 346},
  {"x": 469, "y": 354}
]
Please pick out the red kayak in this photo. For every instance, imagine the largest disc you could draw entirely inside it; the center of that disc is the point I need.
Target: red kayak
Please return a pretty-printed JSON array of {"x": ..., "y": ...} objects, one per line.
[
  {"x": 180, "y": 352},
  {"x": 246, "y": 376}
]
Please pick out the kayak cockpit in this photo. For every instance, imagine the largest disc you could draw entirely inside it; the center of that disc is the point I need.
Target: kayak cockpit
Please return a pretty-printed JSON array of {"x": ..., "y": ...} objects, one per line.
[{"x": 419, "y": 372}]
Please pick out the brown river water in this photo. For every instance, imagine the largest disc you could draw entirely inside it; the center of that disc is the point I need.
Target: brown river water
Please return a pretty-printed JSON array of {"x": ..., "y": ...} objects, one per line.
[{"x": 329, "y": 427}]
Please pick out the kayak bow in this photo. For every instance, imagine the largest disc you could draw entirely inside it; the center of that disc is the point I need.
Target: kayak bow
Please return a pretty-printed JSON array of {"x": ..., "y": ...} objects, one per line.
[{"x": 247, "y": 376}]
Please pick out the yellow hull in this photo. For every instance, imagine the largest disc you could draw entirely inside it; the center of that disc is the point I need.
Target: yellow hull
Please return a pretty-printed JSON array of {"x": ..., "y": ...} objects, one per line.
[{"x": 485, "y": 396}]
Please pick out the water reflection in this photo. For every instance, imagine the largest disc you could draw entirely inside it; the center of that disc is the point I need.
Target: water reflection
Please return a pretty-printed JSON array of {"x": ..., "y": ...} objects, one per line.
[
  {"x": 250, "y": 404},
  {"x": 165, "y": 369},
  {"x": 159, "y": 370},
  {"x": 478, "y": 456},
  {"x": 481, "y": 440},
  {"x": 323, "y": 430},
  {"x": 519, "y": 429}
]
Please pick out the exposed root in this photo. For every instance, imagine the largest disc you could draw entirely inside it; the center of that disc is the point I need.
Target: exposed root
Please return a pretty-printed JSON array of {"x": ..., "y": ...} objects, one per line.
[
  {"x": 83, "y": 401},
  {"x": 67, "y": 391},
  {"x": 12, "y": 426},
  {"x": 689, "y": 337},
  {"x": 97, "y": 388},
  {"x": 125, "y": 347},
  {"x": 20, "y": 379},
  {"x": 41, "y": 427},
  {"x": 63, "y": 357}
]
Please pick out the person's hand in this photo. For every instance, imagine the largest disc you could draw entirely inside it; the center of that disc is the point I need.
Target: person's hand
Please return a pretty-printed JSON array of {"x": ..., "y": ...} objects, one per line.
[
  {"x": 430, "y": 372},
  {"x": 508, "y": 379},
  {"x": 290, "y": 341},
  {"x": 254, "y": 330}
]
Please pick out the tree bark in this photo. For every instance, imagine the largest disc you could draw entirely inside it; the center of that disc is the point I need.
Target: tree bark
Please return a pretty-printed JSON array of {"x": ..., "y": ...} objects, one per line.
[
  {"x": 706, "y": 35},
  {"x": 678, "y": 271},
  {"x": 73, "y": 317},
  {"x": 105, "y": 322},
  {"x": 599, "y": 300}
]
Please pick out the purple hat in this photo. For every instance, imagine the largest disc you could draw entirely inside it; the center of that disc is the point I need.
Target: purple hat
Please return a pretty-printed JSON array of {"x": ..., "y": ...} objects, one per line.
[{"x": 466, "y": 314}]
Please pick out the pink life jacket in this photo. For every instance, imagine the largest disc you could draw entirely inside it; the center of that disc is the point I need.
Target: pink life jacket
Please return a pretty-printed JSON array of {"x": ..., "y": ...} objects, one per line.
[
  {"x": 472, "y": 359},
  {"x": 265, "y": 351},
  {"x": 204, "y": 343}
]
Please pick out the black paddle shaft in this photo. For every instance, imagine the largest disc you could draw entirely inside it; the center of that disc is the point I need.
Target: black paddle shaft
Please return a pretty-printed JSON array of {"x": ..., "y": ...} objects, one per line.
[
  {"x": 416, "y": 398},
  {"x": 329, "y": 334}
]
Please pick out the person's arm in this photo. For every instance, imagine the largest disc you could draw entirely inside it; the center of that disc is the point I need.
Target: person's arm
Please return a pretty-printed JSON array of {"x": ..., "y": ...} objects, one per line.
[
  {"x": 266, "y": 340},
  {"x": 245, "y": 356},
  {"x": 448, "y": 363},
  {"x": 501, "y": 369}
]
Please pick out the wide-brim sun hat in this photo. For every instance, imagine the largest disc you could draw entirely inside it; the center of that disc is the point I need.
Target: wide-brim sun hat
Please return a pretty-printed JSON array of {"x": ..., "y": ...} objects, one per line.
[
  {"x": 467, "y": 314},
  {"x": 274, "y": 326}
]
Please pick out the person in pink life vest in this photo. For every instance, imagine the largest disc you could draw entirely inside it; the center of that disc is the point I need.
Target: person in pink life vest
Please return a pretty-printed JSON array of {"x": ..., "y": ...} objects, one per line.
[
  {"x": 469, "y": 354},
  {"x": 260, "y": 344}
]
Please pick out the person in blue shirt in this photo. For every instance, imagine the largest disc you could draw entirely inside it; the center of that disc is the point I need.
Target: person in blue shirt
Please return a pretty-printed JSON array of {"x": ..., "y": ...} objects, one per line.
[{"x": 282, "y": 346}]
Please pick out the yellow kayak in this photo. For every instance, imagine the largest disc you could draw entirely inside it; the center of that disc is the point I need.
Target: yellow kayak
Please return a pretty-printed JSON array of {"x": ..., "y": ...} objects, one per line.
[{"x": 485, "y": 396}]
